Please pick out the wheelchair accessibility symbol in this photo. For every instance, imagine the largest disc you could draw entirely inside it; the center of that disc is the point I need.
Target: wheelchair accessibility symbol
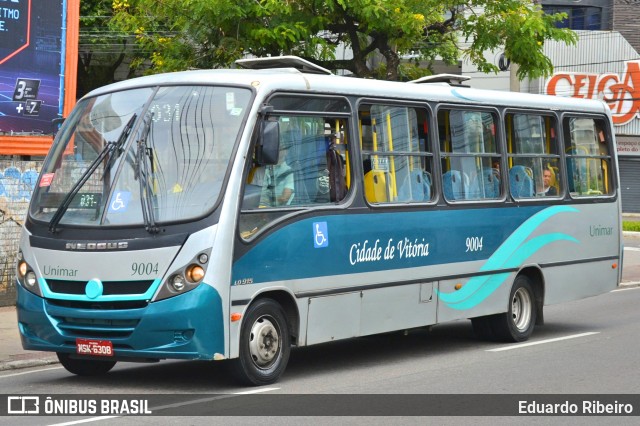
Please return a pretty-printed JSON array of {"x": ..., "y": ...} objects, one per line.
[
  {"x": 119, "y": 202},
  {"x": 320, "y": 235}
]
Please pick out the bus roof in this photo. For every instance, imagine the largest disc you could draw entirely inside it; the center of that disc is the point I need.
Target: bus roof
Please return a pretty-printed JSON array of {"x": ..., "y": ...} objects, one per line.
[{"x": 292, "y": 79}]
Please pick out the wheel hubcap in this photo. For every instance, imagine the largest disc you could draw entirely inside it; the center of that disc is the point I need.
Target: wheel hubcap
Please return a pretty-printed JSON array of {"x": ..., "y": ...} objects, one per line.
[
  {"x": 521, "y": 307},
  {"x": 264, "y": 342}
]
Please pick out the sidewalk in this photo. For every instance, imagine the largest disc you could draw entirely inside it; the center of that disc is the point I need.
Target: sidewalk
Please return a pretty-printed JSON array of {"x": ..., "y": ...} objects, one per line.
[{"x": 13, "y": 357}]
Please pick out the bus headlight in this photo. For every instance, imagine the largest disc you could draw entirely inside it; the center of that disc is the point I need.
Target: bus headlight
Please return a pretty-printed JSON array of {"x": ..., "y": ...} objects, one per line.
[
  {"x": 30, "y": 279},
  {"x": 177, "y": 282},
  {"x": 186, "y": 278},
  {"x": 26, "y": 276},
  {"x": 22, "y": 269}
]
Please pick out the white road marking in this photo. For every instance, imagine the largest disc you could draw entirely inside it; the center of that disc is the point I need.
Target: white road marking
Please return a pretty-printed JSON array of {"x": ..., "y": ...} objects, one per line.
[
  {"x": 29, "y": 372},
  {"x": 540, "y": 342},
  {"x": 632, "y": 248}
]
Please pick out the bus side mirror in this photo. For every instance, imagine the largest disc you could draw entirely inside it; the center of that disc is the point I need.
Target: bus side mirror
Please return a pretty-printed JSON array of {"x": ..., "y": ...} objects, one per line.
[
  {"x": 56, "y": 123},
  {"x": 268, "y": 143}
]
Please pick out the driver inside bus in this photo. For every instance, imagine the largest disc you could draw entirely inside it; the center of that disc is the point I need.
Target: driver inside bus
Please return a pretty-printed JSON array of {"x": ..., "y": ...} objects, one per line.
[{"x": 278, "y": 186}]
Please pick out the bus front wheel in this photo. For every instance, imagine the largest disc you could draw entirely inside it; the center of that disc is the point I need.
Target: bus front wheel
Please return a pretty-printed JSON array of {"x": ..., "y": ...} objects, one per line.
[
  {"x": 264, "y": 344},
  {"x": 516, "y": 325},
  {"x": 84, "y": 367}
]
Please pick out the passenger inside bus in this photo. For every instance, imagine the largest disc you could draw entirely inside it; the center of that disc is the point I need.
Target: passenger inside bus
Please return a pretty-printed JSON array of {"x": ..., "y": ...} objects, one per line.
[{"x": 548, "y": 189}]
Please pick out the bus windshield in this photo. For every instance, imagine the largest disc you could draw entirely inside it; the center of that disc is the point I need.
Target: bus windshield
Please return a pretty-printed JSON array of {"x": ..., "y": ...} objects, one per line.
[{"x": 141, "y": 156}]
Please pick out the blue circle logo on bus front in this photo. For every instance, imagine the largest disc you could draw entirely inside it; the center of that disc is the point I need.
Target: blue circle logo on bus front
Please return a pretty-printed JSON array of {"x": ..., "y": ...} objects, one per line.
[{"x": 94, "y": 288}]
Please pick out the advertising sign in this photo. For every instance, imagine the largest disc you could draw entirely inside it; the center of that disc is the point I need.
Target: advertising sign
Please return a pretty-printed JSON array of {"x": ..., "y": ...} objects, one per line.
[
  {"x": 31, "y": 66},
  {"x": 620, "y": 92}
]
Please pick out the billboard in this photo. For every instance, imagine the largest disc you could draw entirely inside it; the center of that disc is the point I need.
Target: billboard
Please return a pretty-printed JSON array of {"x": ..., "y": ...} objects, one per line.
[{"x": 34, "y": 70}]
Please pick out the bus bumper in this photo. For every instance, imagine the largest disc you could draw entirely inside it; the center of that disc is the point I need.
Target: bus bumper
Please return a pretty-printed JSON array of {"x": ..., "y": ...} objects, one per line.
[{"x": 188, "y": 326}]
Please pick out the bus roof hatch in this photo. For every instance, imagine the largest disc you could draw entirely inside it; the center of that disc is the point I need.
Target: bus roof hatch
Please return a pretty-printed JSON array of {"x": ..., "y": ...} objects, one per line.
[
  {"x": 296, "y": 62},
  {"x": 451, "y": 79}
]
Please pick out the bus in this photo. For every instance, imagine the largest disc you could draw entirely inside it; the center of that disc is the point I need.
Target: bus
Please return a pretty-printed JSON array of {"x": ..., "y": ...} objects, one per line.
[{"x": 235, "y": 214}]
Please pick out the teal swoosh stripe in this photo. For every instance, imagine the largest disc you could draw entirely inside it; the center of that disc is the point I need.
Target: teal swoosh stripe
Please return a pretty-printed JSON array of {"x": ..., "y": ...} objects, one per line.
[
  {"x": 512, "y": 253},
  {"x": 490, "y": 284},
  {"x": 533, "y": 245},
  {"x": 521, "y": 234}
]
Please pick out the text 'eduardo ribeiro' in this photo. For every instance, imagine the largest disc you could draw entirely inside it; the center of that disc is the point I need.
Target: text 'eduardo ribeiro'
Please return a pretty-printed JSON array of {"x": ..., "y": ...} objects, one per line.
[{"x": 581, "y": 408}]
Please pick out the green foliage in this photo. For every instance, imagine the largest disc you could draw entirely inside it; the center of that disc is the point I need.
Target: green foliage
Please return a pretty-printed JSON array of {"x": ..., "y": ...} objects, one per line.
[
  {"x": 101, "y": 50},
  {"x": 633, "y": 226},
  {"x": 179, "y": 34}
]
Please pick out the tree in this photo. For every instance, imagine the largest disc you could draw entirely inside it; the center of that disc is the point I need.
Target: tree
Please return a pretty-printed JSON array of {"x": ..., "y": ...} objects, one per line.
[
  {"x": 101, "y": 50},
  {"x": 180, "y": 34}
]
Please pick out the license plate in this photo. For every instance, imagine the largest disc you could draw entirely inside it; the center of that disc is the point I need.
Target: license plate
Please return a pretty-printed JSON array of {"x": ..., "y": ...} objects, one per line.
[{"x": 94, "y": 347}]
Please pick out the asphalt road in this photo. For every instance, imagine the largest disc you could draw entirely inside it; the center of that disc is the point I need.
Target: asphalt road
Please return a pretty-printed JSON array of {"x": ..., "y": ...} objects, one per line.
[{"x": 587, "y": 349}]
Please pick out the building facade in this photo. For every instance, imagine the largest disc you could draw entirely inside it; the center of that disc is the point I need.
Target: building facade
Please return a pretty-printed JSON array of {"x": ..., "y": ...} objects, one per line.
[{"x": 604, "y": 64}]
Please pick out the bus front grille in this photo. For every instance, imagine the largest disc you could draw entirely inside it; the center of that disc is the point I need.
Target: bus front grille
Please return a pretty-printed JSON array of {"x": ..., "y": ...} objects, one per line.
[
  {"x": 83, "y": 327},
  {"x": 109, "y": 287},
  {"x": 99, "y": 306}
]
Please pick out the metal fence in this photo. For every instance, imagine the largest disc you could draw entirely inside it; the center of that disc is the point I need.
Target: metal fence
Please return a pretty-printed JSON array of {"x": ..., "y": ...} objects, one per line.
[{"x": 17, "y": 181}]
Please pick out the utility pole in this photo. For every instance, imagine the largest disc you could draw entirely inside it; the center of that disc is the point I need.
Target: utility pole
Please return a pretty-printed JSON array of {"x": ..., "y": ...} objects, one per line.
[{"x": 514, "y": 83}]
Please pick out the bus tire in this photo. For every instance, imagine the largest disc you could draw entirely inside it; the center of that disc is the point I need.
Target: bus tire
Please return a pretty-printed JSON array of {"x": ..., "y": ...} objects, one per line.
[
  {"x": 264, "y": 344},
  {"x": 84, "y": 367},
  {"x": 516, "y": 325}
]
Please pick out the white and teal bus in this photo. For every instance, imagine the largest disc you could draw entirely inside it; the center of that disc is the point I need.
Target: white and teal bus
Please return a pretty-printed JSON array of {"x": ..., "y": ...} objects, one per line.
[{"x": 234, "y": 214}]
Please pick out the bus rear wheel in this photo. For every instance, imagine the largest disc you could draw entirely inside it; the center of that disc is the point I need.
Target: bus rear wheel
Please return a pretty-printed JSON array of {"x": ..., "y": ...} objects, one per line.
[
  {"x": 516, "y": 325},
  {"x": 264, "y": 344},
  {"x": 84, "y": 367}
]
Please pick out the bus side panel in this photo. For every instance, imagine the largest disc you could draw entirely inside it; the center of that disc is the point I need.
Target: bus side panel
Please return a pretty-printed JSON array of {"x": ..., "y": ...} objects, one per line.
[
  {"x": 333, "y": 317},
  {"x": 396, "y": 308},
  {"x": 370, "y": 311},
  {"x": 567, "y": 283}
]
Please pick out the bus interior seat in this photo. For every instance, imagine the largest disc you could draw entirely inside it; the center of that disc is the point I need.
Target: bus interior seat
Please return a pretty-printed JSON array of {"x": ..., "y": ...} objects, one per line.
[
  {"x": 375, "y": 186},
  {"x": 489, "y": 183},
  {"x": 453, "y": 185},
  {"x": 520, "y": 183},
  {"x": 416, "y": 186}
]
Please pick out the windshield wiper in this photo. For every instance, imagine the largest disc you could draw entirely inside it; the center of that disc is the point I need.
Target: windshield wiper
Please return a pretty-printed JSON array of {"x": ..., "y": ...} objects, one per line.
[
  {"x": 109, "y": 149},
  {"x": 144, "y": 162}
]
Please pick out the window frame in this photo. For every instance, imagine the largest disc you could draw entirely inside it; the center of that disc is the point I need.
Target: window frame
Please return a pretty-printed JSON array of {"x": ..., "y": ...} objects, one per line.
[
  {"x": 611, "y": 146},
  {"x": 558, "y": 156},
  {"x": 428, "y": 155},
  {"x": 499, "y": 145},
  {"x": 272, "y": 216}
]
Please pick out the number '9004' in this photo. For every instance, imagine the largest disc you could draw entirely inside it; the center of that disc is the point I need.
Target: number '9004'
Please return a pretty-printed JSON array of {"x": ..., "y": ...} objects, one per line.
[
  {"x": 474, "y": 244},
  {"x": 142, "y": 268}
]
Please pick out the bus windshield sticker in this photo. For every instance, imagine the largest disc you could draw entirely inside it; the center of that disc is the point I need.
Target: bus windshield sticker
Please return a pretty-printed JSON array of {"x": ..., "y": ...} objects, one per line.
[
  {"x": 46, "y": 179},
  {"x": 119, "y": 202},
  {"x": 320, "y": 235}
]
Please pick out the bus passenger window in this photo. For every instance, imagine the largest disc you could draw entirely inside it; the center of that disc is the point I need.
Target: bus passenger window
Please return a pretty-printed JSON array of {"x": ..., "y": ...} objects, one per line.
[
  {"x": 588, "y": 157},
  {"x": 397, "y": 161},
  {"x": 533, "y": 156},
  {"x": 470, "y": 158},
  {"x": 312, "y": 169}
]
